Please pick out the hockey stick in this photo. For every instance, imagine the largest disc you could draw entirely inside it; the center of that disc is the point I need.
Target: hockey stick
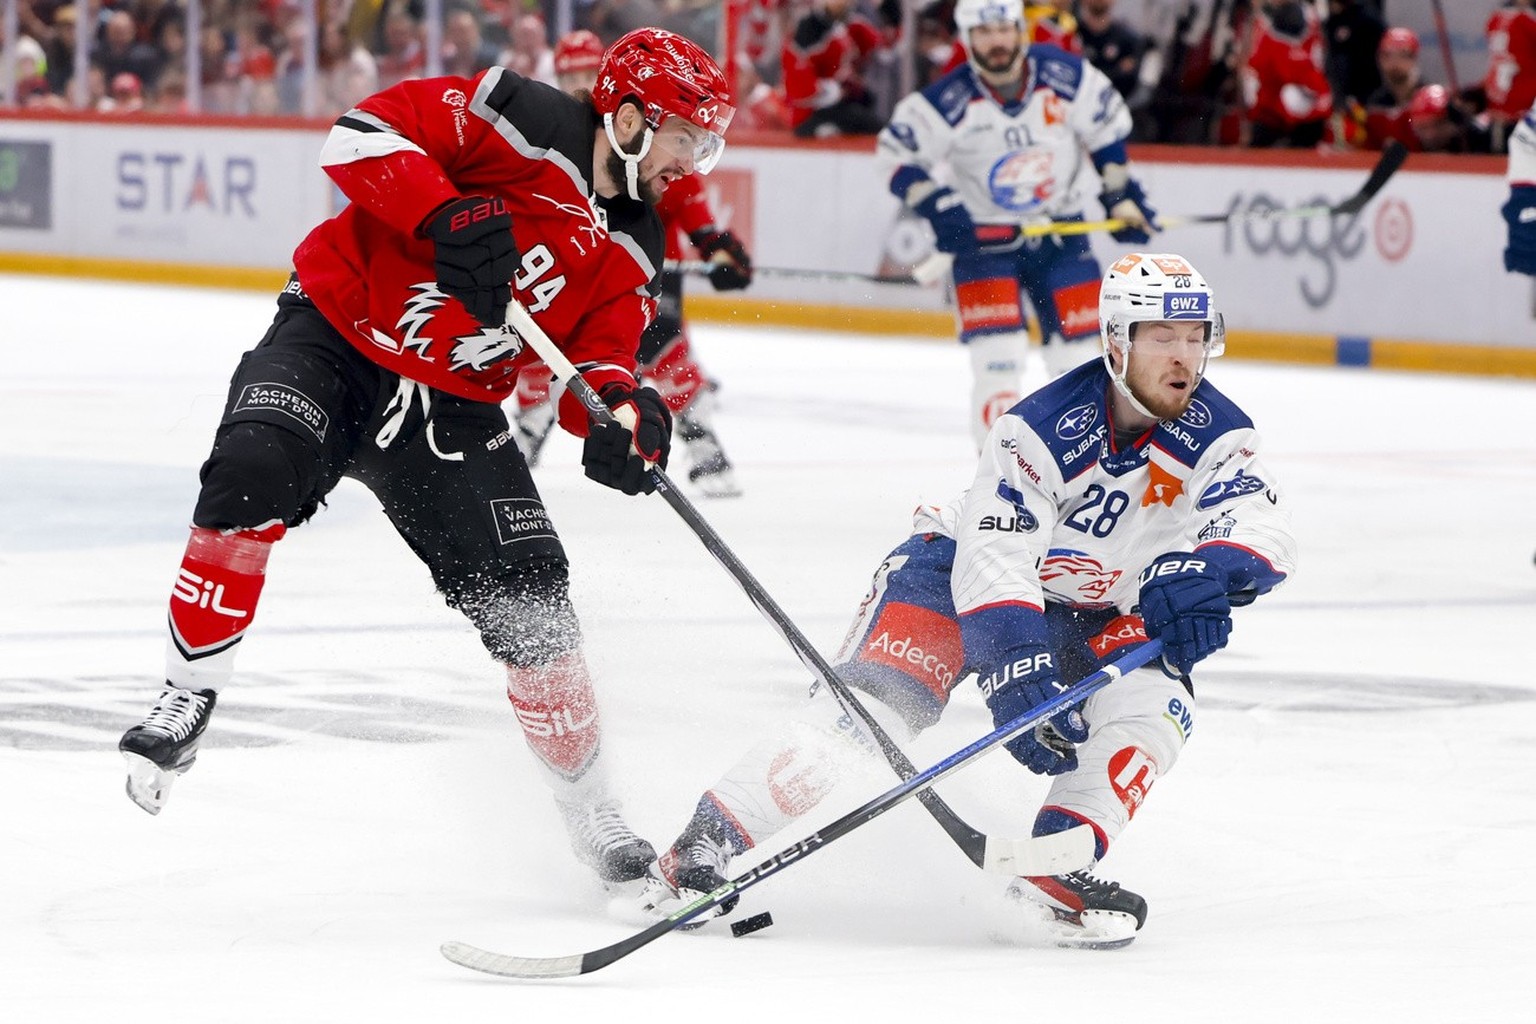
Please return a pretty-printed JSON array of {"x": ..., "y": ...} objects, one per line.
[
  {"x": 1393, "y": 154},
  {"x": 1045, "y": 862},
  {"x": 703, "y": 268},
  {"x": 984, "y": 851}
]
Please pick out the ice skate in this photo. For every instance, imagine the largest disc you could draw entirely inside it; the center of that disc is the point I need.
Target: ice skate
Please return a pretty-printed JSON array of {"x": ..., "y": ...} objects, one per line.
[
  {"x": 603, "y": 842},
  {"x": 696, "y": 866},
  {"x": 164, "y": 745},
  {"x": 1075, "y": 911},
  {"x": 712, "y": 472}
]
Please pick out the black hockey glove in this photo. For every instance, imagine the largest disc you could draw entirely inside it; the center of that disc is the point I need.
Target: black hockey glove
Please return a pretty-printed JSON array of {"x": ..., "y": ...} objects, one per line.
[
  {"x": 1184, "y": 603},
  {"x": 476, "y": 255},
  {"x": 1013, "y": 690},
  {"x": 620, "y": 454},
  {"x": 727, "y": 275},
  {"x": 1130, "y": 205},
  {"x": 953, "y": 229}
]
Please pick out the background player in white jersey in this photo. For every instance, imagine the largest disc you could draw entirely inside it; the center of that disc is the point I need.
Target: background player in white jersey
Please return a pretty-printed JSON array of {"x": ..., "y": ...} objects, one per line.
[
  {"x": 1012, "y": 127},
  {"x": 1520, "y": 208},
  {"x": 1124, "y": 500}
]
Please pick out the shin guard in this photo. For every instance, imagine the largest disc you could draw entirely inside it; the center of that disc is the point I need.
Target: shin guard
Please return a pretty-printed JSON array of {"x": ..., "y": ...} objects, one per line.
[
  {"x": 557, "y": 709},
  {"x": 213, "y": 603}
]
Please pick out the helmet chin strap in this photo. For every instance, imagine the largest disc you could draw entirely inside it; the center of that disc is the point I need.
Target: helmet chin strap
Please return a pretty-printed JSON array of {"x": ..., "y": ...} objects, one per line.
[
  {"x": 1118, "y": 377},
  {"x": 631, "y": 160}
]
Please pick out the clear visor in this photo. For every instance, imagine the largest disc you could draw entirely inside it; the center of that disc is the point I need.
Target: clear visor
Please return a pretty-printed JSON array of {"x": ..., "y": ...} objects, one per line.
[
  {"x": 1213, "y": 344},
  {"x": 685, "y": 142}
]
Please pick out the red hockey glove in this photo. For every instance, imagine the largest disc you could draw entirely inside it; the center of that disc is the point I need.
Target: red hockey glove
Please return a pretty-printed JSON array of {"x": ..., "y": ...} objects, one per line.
[
  {"x": 476, "y": 255},
  {"x": 621, "y": 453}
]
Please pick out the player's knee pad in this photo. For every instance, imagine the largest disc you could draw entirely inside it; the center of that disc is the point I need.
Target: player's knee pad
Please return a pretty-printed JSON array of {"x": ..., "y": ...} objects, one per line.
[
  {"x": 1137, "y": 729},
  {"x": 997, "y": 378},
  {"x": 257, "y": 474},
  {"x": 789, "y": 773},
  {"x": 523, "y": 612}
]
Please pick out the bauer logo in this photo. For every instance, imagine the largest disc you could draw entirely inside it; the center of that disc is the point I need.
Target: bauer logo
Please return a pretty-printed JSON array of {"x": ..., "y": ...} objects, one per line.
[
  {"x": 1241, "y": 484},
  {"x": 520, "y": 519},
  {"x": 287, "y": 402},
  {"x": 1074, "y": 423},
  {"x": 1186, "y": 306}
]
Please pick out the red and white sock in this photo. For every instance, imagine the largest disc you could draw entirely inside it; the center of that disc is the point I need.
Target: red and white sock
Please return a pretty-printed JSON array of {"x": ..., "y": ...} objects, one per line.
[
  {"x": 213, "y": 603},
  {"x": 557, "y": 708}
]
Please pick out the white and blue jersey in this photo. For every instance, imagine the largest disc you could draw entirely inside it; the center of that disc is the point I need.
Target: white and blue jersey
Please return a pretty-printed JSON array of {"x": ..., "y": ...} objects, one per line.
[
  {"x": 1016, "y": 162},
  {"x": 1013, "y": 164},
  {"x": 1061, "y": 513}
]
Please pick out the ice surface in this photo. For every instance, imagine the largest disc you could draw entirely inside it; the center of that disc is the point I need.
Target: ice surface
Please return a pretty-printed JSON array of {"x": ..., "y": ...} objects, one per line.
[{"x": 1347, "y": 837}]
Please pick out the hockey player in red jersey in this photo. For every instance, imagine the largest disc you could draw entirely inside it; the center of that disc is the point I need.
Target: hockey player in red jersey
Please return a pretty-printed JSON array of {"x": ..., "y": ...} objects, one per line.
[
  {"x": 389, "y": 357},
  {"x": 666, "y": 358},
  {"x": 1124, "y": 501}
]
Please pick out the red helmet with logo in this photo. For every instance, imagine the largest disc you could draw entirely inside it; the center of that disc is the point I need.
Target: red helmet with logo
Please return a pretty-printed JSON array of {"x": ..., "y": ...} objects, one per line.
[
  {"x": 578, "y": 51},
  {"x": 667, "y": 74}
]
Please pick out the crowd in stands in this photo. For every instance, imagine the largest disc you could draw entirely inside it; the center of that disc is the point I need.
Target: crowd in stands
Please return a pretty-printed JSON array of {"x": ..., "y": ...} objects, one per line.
[{"x": 1263, "y": 73}]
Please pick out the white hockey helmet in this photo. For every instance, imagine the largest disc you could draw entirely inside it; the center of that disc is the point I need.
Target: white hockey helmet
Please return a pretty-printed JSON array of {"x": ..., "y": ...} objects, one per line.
[
  {"x": 1145, "y": 286},
  {"x": 971, "y": 14}
]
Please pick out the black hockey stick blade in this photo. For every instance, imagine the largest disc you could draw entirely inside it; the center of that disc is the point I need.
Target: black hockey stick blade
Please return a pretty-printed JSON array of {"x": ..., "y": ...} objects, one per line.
[
  {"x": 1053, "y": 854},
  {"x": 1393, "y": 156}
]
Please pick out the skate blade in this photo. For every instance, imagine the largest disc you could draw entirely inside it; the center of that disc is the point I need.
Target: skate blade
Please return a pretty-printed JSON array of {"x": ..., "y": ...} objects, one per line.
[
  {"x": 1101, "y": 929},
  {"x": 149, "y": 785},
  {"x": 1015, "y": 922}
]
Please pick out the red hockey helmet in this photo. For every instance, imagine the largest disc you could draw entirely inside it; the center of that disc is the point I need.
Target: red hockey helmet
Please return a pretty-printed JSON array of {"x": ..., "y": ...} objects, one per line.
[
  {"x": 1404, "y": 40},
  {"x": 578, "y": 51},
  {"x": 667, "y": 74},
  {"x": 1429, "y": 103}
]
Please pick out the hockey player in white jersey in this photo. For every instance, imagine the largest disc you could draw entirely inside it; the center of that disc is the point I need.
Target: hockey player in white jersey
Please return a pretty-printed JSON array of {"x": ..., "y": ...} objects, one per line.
[
  {"x": 1124, "y": 500},
  {"x": 1013, "y": 126},
  {"x": 1520, "y": 208}
]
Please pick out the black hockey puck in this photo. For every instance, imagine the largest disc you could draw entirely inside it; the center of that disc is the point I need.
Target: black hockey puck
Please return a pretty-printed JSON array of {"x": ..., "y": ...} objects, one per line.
[{"x": 755, "y": 923}]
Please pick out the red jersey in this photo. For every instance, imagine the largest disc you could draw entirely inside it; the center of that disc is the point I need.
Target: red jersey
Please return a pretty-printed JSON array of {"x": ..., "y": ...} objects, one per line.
[
  {"x": 1511, "y": 79},
  {"x": 588, "y": 263},
  {"x": 683, "y": 209},
  {"x": 1283, "y": 82}
]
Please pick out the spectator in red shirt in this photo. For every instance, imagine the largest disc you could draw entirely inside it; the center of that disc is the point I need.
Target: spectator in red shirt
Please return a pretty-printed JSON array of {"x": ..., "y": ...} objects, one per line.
[
  {"x": 1510, "y": 82},
  {"x": 822, "y": 61},
  {"x": 1285, "y": 91}
]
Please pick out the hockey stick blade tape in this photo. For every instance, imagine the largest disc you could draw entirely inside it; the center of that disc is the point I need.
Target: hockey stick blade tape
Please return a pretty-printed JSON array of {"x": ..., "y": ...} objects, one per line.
[{"x": 755, "y": 923}]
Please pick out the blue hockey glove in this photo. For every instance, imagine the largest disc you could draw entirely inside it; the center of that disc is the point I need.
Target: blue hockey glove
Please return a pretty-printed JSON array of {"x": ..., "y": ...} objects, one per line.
[
  {"x": 952, "y": 223},
  {"x": 1131, "y": 234},
  {"x": 1520, "y": 211},
  {"x": 1013, "y": 690},
  {"x": 1184, "y": 603}
]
